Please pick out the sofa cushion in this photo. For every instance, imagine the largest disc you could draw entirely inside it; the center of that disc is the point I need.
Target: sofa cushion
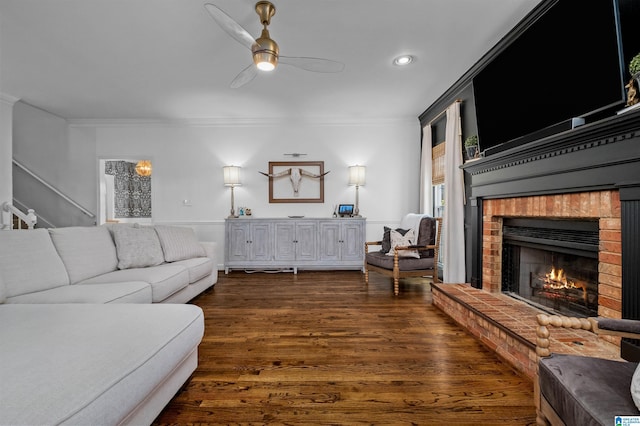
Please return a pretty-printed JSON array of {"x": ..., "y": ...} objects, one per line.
[
  {"x": 586, "y": 390},
  {"x": 90, "y": 364},
  {"x": 19, "y": 251},
  {"x": 380, "y": 259},
  {"x": 86, "y": 251},
  {"x": 125, "y": 292},
  {"x": 198, "y": 267},
  {"x": 163, "y": 279},
  {"x": 137, "y": 247},
  {"x": 178, "y": 243}
]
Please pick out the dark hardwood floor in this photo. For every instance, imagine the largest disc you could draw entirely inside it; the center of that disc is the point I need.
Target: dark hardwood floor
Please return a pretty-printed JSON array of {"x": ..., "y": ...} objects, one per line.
[{"x": 323, "y": 348}]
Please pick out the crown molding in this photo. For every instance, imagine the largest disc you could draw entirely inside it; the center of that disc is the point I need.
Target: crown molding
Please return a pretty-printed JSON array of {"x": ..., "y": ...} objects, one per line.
[
  {"x": 243, "y": 122},
  {"x": 8, "y": 99}
]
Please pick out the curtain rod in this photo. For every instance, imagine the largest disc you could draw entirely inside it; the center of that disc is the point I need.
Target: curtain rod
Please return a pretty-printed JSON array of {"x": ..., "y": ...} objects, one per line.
[{"x": 442, "y": 113}]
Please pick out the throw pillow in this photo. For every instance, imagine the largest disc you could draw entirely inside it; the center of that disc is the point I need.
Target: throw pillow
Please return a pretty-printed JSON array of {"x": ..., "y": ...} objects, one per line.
[
  {"x": 179, "y": 243},
  {"x": 137, "y": 247},
  {"x": 635, "y": 387},
  {"x": 408, "y": 239},
  {"x": 386, "y": 238}
]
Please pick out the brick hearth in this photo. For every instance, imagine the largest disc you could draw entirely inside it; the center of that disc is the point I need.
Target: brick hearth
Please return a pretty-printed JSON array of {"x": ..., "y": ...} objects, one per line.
[{"x": 508, "y": 326}]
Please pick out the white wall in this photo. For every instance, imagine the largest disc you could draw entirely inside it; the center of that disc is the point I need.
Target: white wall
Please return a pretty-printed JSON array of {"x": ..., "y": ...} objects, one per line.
[
  {"x": 42, "y": 142},
  {"x": 188, "y": 159},
  {"x": 6, "y": 152}
]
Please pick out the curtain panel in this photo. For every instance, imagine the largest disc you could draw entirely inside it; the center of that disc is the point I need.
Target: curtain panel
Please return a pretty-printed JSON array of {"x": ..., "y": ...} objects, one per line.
[
  {"x": 454, "y": 197},
  {"x": 426, "y": 199},
  {"x": 132, "y": 192}
]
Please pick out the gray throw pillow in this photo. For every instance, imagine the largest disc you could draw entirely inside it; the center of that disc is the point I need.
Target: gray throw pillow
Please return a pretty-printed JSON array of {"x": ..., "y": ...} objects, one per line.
[
  {"x": 137, "y": 247},
  {"x": 179, "y": 243}
]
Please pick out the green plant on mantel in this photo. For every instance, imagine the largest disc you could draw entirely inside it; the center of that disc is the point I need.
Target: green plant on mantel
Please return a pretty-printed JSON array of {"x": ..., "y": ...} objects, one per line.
[
  {"x": 634, "y": 65},
  {"x": 471, "y": 141}
]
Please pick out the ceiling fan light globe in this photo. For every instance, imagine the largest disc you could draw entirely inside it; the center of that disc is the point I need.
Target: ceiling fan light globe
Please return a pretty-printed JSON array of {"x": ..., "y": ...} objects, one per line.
[{"x": 265, "y": 60}]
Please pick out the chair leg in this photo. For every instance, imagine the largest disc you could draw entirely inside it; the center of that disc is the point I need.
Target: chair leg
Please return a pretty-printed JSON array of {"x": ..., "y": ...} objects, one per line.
[
  {"x": 366, "y": 275},
  {"x": 396, "y": 274}
]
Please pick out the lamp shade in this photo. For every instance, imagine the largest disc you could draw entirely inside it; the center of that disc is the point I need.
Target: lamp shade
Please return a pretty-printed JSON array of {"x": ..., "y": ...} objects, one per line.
[
  {"x": 357, "y": 175},
  {"x": 231, "y": 175}
]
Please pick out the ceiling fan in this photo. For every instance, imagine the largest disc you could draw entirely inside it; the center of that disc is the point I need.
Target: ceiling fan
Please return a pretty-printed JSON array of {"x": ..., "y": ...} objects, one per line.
[{"x": 265, "y": 51}]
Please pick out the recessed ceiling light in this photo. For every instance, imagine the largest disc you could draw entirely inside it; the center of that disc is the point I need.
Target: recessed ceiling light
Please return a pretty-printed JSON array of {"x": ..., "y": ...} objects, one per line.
[{"x": 403, "y": 60}]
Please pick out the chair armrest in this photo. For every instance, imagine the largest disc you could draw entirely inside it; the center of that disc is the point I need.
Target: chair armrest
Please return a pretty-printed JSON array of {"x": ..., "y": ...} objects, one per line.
[
  {"x": 415, "y": 247},
  {"x": 210, "y": 248},
  {"x": 424, "y": 248},
  {"x": 373, "y": 243},
  {"x": 603, "y": 326},
  {"x": 616, "y": 327},
  {"x": 543, "y": 333}
]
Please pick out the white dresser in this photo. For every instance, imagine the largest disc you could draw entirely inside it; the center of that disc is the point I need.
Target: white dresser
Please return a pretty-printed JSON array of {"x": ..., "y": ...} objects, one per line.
[{"x": 294, "y": 243}]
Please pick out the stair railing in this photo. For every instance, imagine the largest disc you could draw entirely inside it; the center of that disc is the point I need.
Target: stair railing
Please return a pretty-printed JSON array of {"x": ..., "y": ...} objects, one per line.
[
  {"x": 54, "y": 189},
  {"x": 29, "y": 219},
  {"x": 43, "y": 222}
]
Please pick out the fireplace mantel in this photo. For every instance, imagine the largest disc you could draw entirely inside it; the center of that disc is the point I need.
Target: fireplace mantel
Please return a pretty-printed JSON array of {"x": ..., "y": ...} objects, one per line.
[{"x": 595, "y": 156}]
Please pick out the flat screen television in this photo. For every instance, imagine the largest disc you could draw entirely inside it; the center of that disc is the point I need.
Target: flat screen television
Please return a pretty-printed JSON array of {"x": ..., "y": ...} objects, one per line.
[{"x": 571, "y": 62}]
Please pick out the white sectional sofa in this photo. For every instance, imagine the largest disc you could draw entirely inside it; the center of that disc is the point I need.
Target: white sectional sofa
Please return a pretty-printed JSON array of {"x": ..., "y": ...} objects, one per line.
[
  {"x": 106, "y": 264},
  {"x": 92, "y": 325}
]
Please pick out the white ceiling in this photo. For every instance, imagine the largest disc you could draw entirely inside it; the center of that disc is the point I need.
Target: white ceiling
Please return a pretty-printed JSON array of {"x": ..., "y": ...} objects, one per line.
[{"x": 168, "y": 59}]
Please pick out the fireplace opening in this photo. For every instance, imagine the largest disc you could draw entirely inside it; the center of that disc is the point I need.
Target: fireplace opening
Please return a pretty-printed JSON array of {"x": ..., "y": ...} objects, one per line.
[{"x": 552, "y": 264}]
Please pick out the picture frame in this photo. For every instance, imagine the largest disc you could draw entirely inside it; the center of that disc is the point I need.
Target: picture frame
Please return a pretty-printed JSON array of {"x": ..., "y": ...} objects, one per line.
[{"x": 282, "y": 188}]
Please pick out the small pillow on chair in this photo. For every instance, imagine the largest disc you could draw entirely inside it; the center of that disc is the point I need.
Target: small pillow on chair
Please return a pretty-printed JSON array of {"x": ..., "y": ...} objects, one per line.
[
  {"x": 408, "y": 239},
  {"x": 386, "y": 238},
  {"x": 635, "y": 387}
]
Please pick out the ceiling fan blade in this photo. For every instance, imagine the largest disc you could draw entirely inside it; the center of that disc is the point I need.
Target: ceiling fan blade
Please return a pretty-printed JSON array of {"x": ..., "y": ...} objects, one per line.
[
  {"x": 312, "y": 64},
  {"x": 232, "y": 28},
  {"x": 245, "y": 76}
]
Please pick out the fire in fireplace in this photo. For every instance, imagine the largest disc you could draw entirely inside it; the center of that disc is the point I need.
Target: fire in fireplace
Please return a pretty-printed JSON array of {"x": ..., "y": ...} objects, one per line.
[{"x": 552, "y": 264}]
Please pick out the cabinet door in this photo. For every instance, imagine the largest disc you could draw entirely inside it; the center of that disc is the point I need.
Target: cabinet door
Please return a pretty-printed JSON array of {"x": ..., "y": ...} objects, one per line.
[
  {"x": 306, "y": 240},
  {"x": 261, "y": 241},
  {"x": 284, "y": 235},
  {"x": 330, "y": 240},
  {"x": 352, "y": 241},
  {"x": 239, "y": 240}
]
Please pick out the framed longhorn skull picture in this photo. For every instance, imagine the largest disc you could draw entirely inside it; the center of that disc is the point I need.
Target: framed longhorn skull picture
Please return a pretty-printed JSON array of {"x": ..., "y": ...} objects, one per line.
[{"x": 296, "y": 181}]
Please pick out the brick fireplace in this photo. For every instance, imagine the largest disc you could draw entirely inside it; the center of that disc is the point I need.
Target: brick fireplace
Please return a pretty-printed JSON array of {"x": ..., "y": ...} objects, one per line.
[
  {"x": 601, "y": 205},
  {"x": 591, "y": 173}
]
